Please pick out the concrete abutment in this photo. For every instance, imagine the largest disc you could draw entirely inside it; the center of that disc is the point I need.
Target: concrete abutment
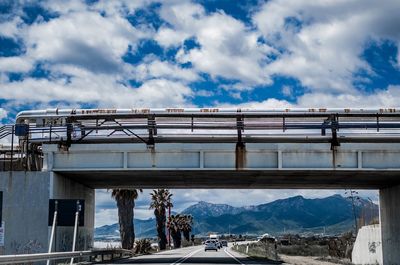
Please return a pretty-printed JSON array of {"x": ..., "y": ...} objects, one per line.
[
  {"x": 390, "y": 224},
  {"x": 25, "y": 212}
]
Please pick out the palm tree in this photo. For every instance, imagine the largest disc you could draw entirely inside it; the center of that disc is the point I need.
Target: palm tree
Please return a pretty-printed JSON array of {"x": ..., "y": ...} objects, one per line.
[
  {"x": 125, "y": 199},
  {"x": 186, "y": 226},
  {"x": 174, "y": 227},
  {"x": 179, "y": 224},
  {"x": 160, "y": 201}
]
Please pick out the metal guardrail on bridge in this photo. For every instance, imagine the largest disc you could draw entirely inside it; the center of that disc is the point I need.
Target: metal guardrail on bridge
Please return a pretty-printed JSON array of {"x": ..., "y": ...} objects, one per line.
[{"x": 185, "y": 125}]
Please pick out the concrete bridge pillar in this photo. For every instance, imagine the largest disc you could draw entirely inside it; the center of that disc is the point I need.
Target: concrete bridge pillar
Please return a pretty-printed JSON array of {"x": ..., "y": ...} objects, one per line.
[
  {"x": 25, "y": 212},
  {"x": 390, "y": 224}
]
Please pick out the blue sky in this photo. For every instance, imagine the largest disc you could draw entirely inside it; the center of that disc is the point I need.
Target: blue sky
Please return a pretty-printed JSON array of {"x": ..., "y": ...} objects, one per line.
[{"x": 144, "y": 53}]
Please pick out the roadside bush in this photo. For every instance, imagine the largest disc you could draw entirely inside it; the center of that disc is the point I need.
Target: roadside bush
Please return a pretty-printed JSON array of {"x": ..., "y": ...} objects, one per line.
[
  {"x": 259, "y": 249},
  {"x": 304, "y": 250},
  {"x": 142, "y": 246}
]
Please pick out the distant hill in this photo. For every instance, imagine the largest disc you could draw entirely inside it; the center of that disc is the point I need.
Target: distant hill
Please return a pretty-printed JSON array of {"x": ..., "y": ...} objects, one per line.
[
  {"x": 332, "y": 215},
  {"x": 205, "y": 209}
]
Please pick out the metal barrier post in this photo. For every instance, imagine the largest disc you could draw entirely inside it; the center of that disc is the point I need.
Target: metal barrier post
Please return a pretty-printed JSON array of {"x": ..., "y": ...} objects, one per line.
[
  {"x": 78, "y": 209},
  {"x": 53, "y": 229},
  {"x": 12, "y": 148}
]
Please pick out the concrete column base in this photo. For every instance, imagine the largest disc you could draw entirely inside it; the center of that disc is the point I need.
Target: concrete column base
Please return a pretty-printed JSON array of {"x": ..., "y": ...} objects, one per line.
[{"x": 390, "y": 224}]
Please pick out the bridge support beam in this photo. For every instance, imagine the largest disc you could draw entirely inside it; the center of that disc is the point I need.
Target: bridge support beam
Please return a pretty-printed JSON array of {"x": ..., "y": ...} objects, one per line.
[{"x": 390, "y": 224}]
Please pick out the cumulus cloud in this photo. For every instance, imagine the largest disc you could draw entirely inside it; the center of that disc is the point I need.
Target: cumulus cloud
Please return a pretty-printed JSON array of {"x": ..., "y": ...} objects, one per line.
[
  {"x": 82, "y": 47},
  {"x": 321, "y": 41},
  {"x": 3, "y": 113},
  {"x": 83, "y": 38},
  {"x": 164, "y": 69},
  {"x": 226, "y": 47},
  {"x": 15, "y": 64},
  {"x": 101, "y": 90},
  {"x": 12, "y": 28},
  {"x": 384, "y": 98},
  {"x": 388, "y": 98}
]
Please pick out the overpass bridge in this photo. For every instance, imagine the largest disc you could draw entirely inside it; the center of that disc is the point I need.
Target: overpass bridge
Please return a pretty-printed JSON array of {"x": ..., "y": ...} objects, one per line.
[{"x": 78, "y": 151}]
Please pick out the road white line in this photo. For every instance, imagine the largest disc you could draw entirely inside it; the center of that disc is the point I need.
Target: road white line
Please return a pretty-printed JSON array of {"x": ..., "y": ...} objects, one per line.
[
  {"x": 179, "y": 261},
  {"x": 233, "y": 257}
]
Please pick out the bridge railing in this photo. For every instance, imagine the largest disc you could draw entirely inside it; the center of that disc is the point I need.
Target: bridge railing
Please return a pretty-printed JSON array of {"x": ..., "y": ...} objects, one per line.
[
  {"x": 87, "y": 126},
  {"x": 150, "y": 126},
  {"x": 24, "y": 258}
]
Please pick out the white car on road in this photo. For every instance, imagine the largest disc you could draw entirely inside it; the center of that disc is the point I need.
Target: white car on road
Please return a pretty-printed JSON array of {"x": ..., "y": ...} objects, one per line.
[{"x": 211, "y": 245}]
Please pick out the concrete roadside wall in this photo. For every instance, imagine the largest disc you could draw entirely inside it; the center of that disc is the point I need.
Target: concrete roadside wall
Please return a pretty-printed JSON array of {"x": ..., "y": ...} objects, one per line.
[
  {"x": 25, "y": 211},
  {"x": 368, "y": 246}
]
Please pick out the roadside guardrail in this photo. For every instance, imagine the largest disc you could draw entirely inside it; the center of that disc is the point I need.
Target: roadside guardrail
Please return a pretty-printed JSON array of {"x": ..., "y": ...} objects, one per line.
[{"x": 22, "y": 258}]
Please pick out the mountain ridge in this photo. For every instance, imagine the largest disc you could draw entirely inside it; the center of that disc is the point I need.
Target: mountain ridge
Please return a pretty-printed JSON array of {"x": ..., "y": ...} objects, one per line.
[{"x": 332, "y": 214}]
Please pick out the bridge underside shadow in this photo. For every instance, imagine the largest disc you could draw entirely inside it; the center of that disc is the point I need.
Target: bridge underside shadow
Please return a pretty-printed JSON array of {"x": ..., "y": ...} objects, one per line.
[{"x": 239, "y": 179}]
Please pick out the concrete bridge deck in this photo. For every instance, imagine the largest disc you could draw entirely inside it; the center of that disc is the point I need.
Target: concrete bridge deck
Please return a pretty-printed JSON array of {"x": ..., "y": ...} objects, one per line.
[{"x": 262, "y": 165}]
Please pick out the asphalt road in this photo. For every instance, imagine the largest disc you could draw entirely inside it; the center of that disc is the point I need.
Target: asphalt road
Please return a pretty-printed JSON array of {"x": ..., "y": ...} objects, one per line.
[{"x": 193, "y": 256}]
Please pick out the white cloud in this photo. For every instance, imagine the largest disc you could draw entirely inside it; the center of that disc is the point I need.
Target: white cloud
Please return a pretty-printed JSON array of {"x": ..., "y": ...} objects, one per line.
[
  {"x": 164, "y": 69},
  {"x": 162, "y": 93},
  {"x": 84, "y": 39},
  {"x": 11, "y": 29},
  {"x": 323, "y": 50},
  {"x": 385, "y": 98},
  {"x": 204, "y": 93},
  {"x": 18, "y": 64},
  {"x": 121, "y": 7},
  {"x": 106, "y": 217},
  {"x": 64, "y": 7},
  {"x": 270, "y": 103},
  {"x": 102, "y": 90},
  {"x": 168, "y": 37},
  {"x": 227, "y": 49},
  {"x": 3, "y": 113},
  {"x": 287, "y": 91}
]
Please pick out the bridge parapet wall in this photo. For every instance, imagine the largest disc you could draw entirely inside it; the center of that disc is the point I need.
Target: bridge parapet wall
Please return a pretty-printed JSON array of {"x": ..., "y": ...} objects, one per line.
[{"x": 222, "y": 156}]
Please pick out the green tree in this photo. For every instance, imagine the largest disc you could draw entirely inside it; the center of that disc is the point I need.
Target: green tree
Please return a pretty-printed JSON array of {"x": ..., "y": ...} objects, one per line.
[
  {"x": 125, "y": 199},
  {"x": 160, "y": 201},
  {"x": 175, "y": 230},
  {"x": 179, "y": 224},
  {"x": 186, "y": 226}
]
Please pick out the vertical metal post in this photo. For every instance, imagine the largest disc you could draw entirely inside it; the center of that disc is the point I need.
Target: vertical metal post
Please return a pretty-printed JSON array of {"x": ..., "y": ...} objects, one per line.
[
  {"x": 12, "y": 148},
  {"x": 27, "y": 164},
  {"x": 51, "y": 125},
  {"x": 169, "y": 229},
  {"x": 377, "y": 122},
  {"x": 75, "y": 228},
  {"x": 53, "y": 229}
]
